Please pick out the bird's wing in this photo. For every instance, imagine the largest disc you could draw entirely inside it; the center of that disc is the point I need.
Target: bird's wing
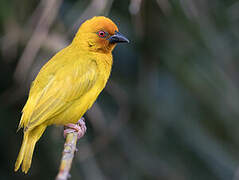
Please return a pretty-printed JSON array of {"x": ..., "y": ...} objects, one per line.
[{"x": 62, "y": 88}]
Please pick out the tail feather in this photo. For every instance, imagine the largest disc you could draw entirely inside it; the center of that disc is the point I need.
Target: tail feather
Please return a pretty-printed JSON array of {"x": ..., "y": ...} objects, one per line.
[
  {"x": 29, "y": 141},
  {"x": 22, "y": 152},
  {"x": 28, "y": 156}
]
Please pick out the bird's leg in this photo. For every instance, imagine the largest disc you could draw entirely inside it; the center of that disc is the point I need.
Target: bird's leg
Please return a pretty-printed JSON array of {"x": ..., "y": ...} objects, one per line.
[{"x": 79, "y": 127}]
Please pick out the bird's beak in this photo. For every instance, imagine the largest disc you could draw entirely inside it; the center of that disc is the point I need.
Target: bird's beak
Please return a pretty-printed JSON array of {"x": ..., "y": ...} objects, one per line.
[{"x": 118, "y": 38}]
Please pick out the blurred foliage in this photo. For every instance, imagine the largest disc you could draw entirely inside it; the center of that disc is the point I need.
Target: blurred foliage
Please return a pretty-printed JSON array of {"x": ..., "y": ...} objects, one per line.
[{"x": 171, "y": 108}]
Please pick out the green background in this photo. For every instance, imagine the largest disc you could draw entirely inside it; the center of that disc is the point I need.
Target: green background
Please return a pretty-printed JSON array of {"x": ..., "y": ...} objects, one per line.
[{"x": 171, "y": 108}]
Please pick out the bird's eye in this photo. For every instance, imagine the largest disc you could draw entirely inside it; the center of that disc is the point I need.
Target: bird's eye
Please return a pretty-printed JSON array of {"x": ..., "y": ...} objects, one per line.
[{"x": 102, "y": 34}]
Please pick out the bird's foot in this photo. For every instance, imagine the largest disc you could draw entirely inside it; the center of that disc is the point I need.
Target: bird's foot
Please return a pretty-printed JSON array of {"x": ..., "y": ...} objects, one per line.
[{"x": 79, "y": 127}]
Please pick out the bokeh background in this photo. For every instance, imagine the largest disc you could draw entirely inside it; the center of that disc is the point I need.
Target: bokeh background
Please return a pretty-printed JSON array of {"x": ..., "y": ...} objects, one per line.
[{"x": 171, "y": 108}]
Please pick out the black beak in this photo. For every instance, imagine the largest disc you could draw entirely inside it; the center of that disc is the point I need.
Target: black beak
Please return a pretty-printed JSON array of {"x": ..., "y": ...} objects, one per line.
[{"x": 118, "y": 38}]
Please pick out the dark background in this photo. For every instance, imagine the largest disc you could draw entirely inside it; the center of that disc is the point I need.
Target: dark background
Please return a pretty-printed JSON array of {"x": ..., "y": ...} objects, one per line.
[{"x": 171, "y": 108}]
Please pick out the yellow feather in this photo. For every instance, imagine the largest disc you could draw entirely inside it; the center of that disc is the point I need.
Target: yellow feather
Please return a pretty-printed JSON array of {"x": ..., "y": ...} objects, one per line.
[
  {"x": 29, "y": 140},
  {"x": 67, "y": 85}
]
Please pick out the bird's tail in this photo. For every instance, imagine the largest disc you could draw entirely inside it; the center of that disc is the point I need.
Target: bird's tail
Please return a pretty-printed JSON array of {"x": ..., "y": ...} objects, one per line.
[{"x": 29, "y": 141}]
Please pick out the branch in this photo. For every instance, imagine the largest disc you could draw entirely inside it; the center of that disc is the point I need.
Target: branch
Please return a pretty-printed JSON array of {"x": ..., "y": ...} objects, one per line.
[{"x": 67, "y": 156}]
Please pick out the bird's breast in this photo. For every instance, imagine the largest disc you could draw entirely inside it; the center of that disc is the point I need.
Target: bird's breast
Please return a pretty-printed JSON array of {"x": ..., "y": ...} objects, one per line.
[{"x": 82, "y": 104}]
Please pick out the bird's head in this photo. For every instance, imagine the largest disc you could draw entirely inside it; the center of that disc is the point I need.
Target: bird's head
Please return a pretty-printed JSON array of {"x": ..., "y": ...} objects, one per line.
[{"x": 99, "y": 34}]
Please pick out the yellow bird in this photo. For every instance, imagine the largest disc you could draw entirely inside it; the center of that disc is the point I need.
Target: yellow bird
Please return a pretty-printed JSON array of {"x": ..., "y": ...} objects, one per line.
[{"x": 69, "y": 83}]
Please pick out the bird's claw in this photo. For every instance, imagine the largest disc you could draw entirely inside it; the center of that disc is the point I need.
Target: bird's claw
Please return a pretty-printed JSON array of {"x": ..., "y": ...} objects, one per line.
[{"x": 79, "y": 127}]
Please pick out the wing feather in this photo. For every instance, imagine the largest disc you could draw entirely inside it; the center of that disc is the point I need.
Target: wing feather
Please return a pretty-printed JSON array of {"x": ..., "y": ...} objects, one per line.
[{"x": 68, "y": 84}]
